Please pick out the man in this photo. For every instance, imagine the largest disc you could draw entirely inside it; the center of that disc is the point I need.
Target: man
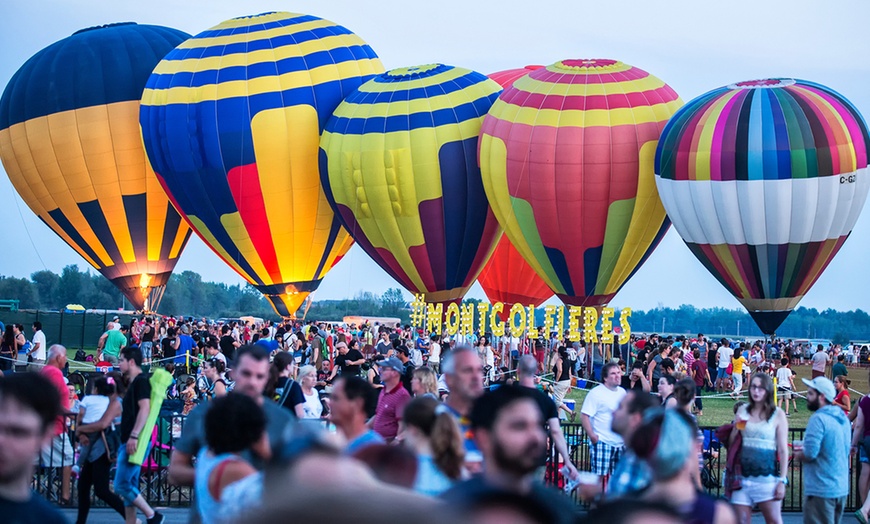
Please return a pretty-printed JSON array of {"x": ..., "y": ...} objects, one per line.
[
  {"x": 352, "y": 403},
  {"x": 146, "y": 340},
  {"x": 135, "y": 407},
  {"x": 596, "y": 415},
  {"x": 391, "y": 400},
  {"x": 267, "y": 341},
  {"x": 101, "y": 343},
  {"x": 407, "y": 366},
  {"x": 186, "y": 345},
  {"x": 631, "y": 475},
  {"x": 37, "y": 347},
  {"x": 29, "y": 406},
  {"x": 463, "y": 375},
  {"x": 839, "y": 368},
  {"x": 211, "y": 349},
  {"x": 59, "y": 453},
  {"x": 228, "y": 344},
  {"x": 384, "y": 345},
  {"x": 509, "y": 430},
  {"x": 435, "y": 353},
  {"x": 526, "y": 370},
  {"x": 251, "y": 374},
  {"x": 116, "y": 339},
  {"x": 825, "y": 454},
  {"x": 820, "y": 361},
  {"x": 348, "y": 361}
]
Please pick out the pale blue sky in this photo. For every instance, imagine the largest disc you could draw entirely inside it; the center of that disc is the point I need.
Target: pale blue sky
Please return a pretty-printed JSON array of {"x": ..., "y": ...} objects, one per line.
[{"x": 689, "y": 45}]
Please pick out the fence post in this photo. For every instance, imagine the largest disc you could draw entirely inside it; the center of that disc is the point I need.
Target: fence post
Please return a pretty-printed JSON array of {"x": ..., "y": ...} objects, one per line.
[
  {"x": 84, "y": 323},
  {"x": 60, "y": 335}
]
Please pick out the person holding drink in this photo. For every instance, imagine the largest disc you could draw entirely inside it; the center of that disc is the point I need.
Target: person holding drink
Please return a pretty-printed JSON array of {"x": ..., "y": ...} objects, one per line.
[{"x": 764, "y": 429}]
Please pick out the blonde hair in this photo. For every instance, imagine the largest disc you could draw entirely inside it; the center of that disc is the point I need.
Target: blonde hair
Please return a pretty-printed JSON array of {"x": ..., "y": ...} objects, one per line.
[{"x": 427, "y": 379}]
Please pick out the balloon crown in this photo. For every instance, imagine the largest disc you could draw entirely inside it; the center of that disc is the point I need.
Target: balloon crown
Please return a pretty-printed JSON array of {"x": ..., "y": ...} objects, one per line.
[
  {"x": 267, "y": 13},
  {"x": 586, "y": 63},
  {"x": 403, "y": 74},
  {"x": 763, "y": 83},
  {"x": 104, "y": 26}
]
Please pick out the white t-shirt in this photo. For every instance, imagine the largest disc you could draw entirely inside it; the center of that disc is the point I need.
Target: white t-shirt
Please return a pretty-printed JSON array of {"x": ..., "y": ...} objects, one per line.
[
  {"x": 434, "y": 352},
  {"x": 725, "y": 354},
  {"x": 599, "y": 406},
  {"x": 820, "y": 359},
  {"x": 783, "y": 377},
  {"x": 312, "y": 406},
  {"x": 39, "y": 337},
  {"x": 95, "y": 407},
  {"x": 220, "y": 356}
]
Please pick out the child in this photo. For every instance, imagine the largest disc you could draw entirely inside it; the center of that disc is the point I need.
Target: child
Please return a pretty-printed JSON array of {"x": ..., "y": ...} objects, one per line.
[{"x": 91, "y": 409}]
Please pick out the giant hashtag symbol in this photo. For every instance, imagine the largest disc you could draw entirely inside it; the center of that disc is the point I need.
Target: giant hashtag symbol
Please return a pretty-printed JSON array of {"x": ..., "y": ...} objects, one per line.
[{"x": 418, "y": 310}]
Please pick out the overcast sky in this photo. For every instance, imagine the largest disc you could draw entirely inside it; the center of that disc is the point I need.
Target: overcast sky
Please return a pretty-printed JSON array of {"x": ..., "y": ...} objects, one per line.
[{"x": 689, "y": 45}]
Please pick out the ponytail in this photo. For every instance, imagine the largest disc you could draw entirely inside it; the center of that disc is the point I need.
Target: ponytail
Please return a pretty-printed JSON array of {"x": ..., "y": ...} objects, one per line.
[{"x": 448, "y": 449}]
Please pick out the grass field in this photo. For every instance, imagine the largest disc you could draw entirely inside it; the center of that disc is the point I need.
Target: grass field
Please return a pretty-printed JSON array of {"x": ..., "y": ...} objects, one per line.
[{"x": 719, "y": 410}]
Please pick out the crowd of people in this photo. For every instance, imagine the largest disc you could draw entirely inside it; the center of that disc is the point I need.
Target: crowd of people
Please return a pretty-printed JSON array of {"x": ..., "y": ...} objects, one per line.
[{"x": 393, "y": 418}]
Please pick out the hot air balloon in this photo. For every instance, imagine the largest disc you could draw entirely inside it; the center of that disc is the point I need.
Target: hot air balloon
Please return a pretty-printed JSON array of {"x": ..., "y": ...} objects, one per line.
[
  {"x": 231, "y": 121},
  {"x": 764, "y": 181},
  {"x": 399, "y": 163},
  {"x": 70, "y": 143},
  {"x": 507, "y": 277},
  {"x": 567, "y": 157}
]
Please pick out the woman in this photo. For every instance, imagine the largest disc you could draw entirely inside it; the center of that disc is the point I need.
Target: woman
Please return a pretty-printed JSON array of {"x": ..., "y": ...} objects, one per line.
[
  {"x": 312, "y": 407},
  {"x": 432, "y": 433},
  {"x": 170, "y": 343},
  {"x": 666, "y": 391},
  {"x": 684, "y": 394},
  {"x": 765, "y": 433},
  {"x": 214, "y": 369},
  {"x": 562, "y": 374},
  {"x": 666, "y": 440},
  {"x": 373, "y": 372},
  {"x": 424, "y": 383},
  {"x": 286, "y": 391},
  {"x": 95, "y": 469},
  {"x": 23, "y": 345},
  {"x": 234, "y": 424},
  {"x": 841, "y": 383},
  {"x": 8, "y": 348}
]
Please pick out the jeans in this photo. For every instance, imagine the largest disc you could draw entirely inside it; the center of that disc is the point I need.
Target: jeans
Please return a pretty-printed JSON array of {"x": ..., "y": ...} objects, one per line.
[
  {"x": 96, "y": 474},
  {"x": 127, "y": 476},
  {"x": 699, "y": 404}
]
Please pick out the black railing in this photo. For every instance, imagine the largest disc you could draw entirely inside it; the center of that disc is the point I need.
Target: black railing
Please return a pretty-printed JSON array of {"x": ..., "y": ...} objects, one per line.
[
  {"x": 714, "y": 459},
  {"x": 156, "y": 488}
]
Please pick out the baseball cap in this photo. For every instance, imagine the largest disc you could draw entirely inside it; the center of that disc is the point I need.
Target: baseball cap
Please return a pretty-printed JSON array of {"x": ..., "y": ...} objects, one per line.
[
  {"x": 392, "y": 363},
  {"x": 824, "y": 386}
]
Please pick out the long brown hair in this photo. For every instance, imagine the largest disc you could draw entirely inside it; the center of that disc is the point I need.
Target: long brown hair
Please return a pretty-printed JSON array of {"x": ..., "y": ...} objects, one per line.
[
  {"x": 433, "y": 420},
  {"x": 767, "y": 405}
]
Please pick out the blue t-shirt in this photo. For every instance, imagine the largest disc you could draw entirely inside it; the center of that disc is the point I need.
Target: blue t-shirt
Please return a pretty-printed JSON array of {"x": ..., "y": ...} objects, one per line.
[
  {"x": 185, "y": 345},
  {"x": 430, "y": 481},
  {"x": 368, "y": 438}
]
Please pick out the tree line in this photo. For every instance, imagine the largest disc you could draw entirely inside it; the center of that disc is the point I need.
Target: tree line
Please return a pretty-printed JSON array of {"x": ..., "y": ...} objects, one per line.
[{"x": 187, "y": 294}]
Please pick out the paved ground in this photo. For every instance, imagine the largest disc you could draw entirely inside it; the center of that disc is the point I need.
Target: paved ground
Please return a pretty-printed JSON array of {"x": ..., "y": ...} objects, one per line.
[{"x": 179, "y": 516}]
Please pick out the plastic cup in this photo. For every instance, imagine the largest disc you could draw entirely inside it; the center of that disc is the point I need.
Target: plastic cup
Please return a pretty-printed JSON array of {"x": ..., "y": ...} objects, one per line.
[
  {"x": 586, "y": 477},
  {"x": 741, "y": 424}
]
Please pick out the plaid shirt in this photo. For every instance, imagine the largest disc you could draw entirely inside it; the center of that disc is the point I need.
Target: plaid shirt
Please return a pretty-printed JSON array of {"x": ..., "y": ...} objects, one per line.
[{"x": 631, "y": 476}]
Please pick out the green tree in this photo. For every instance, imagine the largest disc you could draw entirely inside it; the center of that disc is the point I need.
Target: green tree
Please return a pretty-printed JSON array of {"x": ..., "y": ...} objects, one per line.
[
  {"x": 69, "y": 289},
  {"x": 46, "y": 283},
  {"x": 19, "y": 289},
  {"x": 392, "y": 302}
]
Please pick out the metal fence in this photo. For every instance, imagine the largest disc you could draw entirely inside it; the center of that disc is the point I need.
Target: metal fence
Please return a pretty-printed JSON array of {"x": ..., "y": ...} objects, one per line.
[
  {"x": 156, "y": 488},
  {"x": 73, "y": 329},
  {"x": 714, "y": 459}
]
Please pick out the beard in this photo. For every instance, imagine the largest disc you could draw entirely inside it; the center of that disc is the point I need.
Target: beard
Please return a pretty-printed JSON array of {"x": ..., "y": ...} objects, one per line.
[
  {"x": 526, "y": 461},
  {"x": 813, "y": 405}
]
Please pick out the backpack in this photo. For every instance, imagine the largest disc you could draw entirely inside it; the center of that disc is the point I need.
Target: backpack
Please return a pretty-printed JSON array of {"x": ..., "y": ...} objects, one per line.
[{"x": 81, "y": 356}]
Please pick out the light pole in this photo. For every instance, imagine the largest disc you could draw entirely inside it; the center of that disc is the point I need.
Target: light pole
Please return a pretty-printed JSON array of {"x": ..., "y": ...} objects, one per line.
[
  {"x": 738, "y": 329},
  {"x": 663, "y": 325}
]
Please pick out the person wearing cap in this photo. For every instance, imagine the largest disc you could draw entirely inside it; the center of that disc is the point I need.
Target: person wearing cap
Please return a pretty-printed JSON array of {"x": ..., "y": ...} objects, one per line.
[
  {"x": 348, "y": 361},
  {"x": 825, "y": 455},
  {"x": 403, "y": 355},
  {"x": 391, "y": 400}
]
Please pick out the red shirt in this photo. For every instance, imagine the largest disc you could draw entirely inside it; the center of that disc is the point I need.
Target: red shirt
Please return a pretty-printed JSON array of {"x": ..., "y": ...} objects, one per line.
[
  {"x": 389, "y": 412},
  {"x": 55, "y": 376}
]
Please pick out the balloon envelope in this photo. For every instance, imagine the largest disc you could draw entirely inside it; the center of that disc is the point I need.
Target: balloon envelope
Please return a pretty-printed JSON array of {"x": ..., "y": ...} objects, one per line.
[
  {"x": 567, "y": 156},
  {"x": 231, "y": 121},
  {"x": 70, "y": 143},
  {"x": 507, "y": 277},
  {"x": 400, "y": 166},
  {"x": 764, "y": 181}
]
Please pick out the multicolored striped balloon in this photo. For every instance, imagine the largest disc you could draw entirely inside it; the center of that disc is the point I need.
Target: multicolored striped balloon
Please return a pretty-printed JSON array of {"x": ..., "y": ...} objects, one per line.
[
  {"x": 507, "y": 277},
  {"x": 231, "y": 121},
  {"x": 764, "y": 181},
  {"x": 399, "y": 164},
  {"x": 70, "y": 143},
  {"x": 567, "y": 156}
]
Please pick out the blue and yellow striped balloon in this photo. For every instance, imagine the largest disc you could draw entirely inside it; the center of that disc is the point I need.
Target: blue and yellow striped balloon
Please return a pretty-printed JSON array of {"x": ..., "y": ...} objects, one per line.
[
  {"x": 231, "y": 121},
  {"x": 70, "y": 143},
  {"x": 399, "y": 164}
]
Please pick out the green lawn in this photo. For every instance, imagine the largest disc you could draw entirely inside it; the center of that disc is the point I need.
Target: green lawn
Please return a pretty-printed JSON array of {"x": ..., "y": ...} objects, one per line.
[{"x": 718, "y": 411}]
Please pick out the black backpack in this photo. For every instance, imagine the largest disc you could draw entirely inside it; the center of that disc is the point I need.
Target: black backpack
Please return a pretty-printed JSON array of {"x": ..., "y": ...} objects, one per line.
[{"x": 80, "y": 356}]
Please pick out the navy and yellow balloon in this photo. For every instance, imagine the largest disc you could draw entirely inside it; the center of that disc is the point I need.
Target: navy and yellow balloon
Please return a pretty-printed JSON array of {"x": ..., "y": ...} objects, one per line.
[
  {"x": 399, "y": 164},
  {"x": 70, "y": 143},
  {"x": 231, "y": 121}
]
